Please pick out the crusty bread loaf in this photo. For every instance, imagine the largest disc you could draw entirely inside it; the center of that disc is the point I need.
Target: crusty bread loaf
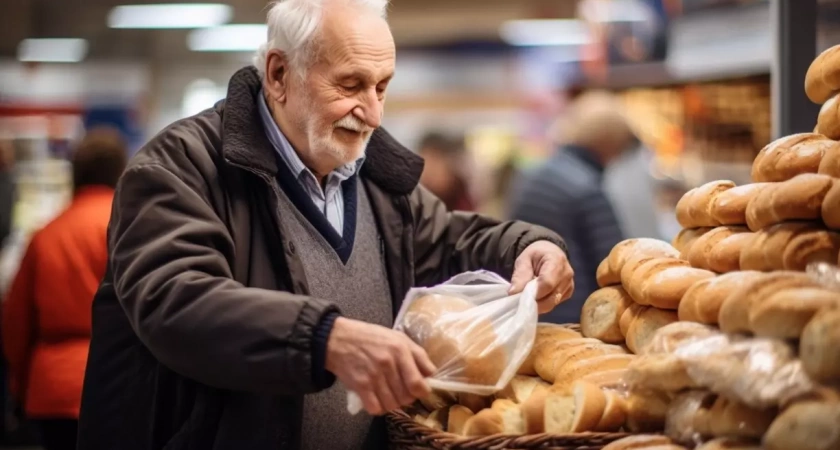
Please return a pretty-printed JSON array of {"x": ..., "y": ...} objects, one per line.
[
  {"x": 546, "y": 334},
  {"x": 425, "y": 312},
  {"x": 615, "y": 413},
  {"x": 694, "y": 208},
  {"x": 819, "y": 347},
  {"x": 725, "y": 257},
  {"x": 642, "y": 441},
  {"x": 582, "y": 411},
  {"x": 485, "y": 423},
  {"x": 799, "y": 198},
  {"x": 664, "y": 289},
  {"x": 564, "y": 359},
  {"x": 790, "y": 156},
  {"x": 608, "y": 379},
  {"x": 831, "y": 207},
  {"x": 670, "y": 337},
  {"x": 603, "y": 275},
  {"x": 601, "y": 313},
  {"x": 823, "y": 77},
  {"x": 702, "y": 249},
  {"x": 578, "y": 370},
  {"x": 629, "y": 316},
  {"x": 458, "y": 416},
  {"x": 512, "y": 420},
  {"x": 646, "y": 411},
  {"x": 547, "y": 354},
  {"x": 810, "y": 247},
  {"x": 638, "y": 274},
  {"x": 703, "y": 300},
  {"x": 828, "y": 121},
  {"x": 438, "y": 399},
  {"x": 830, "y": 164},
  {"x": 784, "y": 314},
  {"x": 686, "y": 415},
  {"x": 686, "y": 238},
  {"x": 633, "y": 248},
  {"x": 521, "y": 388},
  {"x": 661, "y": 372},
  {"x": 730, "y": 444},
  {"x": 765, "y": 252},
  {"x": 733, "y": 419},
  {"x": 734, "y": 314},
  {"x": 642, "y": 329},
  {"x": 805, "y": 426},
  {"x": 730, "y": 207}
]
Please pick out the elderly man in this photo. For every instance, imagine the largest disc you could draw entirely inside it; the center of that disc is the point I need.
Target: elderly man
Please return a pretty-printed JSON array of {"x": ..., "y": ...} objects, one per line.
[{"x": 260, "y": 249}]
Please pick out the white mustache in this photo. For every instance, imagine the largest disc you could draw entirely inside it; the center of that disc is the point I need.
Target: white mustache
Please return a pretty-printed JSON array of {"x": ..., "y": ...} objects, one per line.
[{"x": 352, "y": 122}]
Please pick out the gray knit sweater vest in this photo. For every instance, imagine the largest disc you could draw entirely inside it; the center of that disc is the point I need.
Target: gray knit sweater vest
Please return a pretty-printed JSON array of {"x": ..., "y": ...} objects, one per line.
[{"x": 360, "y": 289}]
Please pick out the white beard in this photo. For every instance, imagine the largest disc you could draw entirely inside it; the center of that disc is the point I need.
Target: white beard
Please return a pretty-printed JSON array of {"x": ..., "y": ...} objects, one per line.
[{"x": 322, "y": 141}]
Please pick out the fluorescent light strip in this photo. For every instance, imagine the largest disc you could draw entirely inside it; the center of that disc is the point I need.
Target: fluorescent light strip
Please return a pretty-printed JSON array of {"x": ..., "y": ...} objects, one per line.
[
  {"x": 52, "y": 50},
  {"x": 545, "y": 32},
  {"x": 170, "y": 16},
  {"x": 228, "y": 38}
]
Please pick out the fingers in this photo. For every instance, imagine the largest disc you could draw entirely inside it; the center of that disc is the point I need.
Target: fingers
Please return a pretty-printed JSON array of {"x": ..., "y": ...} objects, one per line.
[
  {"x": 421, "y": 358},
  {"x": 414, "y": 380},
  {"x": 548, "y": 279},
  {"x": 370, "y": 401},
  {"x": 523, "y": 272},
  {"x": 387, "y": 399}
]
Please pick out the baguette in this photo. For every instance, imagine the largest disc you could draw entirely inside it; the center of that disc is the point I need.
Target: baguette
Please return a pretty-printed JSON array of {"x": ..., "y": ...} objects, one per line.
[
  {"x": 582, "y": 411},
  {"x": 805, "y": 426},
  {"x": 765, "y": 252},
  {"x": 602, "y": 312},
  {"x": 694, "y": 208},
  {"x": 667, "y": 287},
  {"x": 457, "y": 420},
  {"x": 730, "y": 207},
  {"x": 725, "y": 257},
  {"x": 790, "y": 156},
  {"x": 784, "y": 314},
  {"x": 686, "y": 238},
  {"x": 571, "y": 373},
  {"x": 662, "y": 372},
  {"x": 521, "y": 388},
  {"x": 734, "y": 314},
  {"x": 512, "y": 419},
  {"x": 646, "y": 411},
  {"x": 631, "y": 248},
  {"x": 699, "y": 254},
  {"x": 565, "y": 359},
  {"x": 642, "y": 329},
  {"x": 799, "y": 198},
  {"x": 830, "y": 164},
  {"x": 830, "y": 211},
  {"x": 643, "y": 442},
  {"x": 822, "y": 79},
  {"x": 546, "y": 334},
  {"x": 486, "y": 422},
  {"x": 615, "y": 413},
  {"x": 828, "y": 120},
  {"x": 703, "y": 300},
  {"x": 546, "y": 357},
  {"x": 810, "y": 247},
  {"x": 637, "y": 274},
  {"x": 819, "y": 348}
]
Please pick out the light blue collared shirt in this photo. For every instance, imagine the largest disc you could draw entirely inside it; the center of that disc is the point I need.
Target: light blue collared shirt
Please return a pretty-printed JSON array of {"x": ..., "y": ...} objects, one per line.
[{"x": 329, "y": 199}]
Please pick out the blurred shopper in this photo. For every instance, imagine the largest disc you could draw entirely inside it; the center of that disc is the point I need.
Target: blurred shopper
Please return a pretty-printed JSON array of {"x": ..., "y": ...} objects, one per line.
[
  {"x": 260, "y": 249},
  {"x": 445, "y": 160},
  {"x": 46, "y": 316},
  {"x": 566, "y": 194},
  {"x": 634, "y": 203},
  {"x": 7, "y": 189}
]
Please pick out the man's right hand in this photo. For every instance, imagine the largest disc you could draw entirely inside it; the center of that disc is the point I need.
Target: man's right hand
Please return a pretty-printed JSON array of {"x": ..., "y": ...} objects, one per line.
[{"x": 384, "y": 367}]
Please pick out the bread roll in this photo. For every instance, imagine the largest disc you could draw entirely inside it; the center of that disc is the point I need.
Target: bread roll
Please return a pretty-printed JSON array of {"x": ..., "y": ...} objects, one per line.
[
  {"x": 603, "y": 275},
  {"x": 630, "y": 315},
  {"x": 486, "y": 422},
  {"x": 702, "y": 249},
  {"x": 734, "y": 314},
  {"x": 784, "y": 314},
  {"x": 703, "y": 300},
  {"x": 457, "y": 420},
  {"x": 646, "y": 411},
  {"x": 694, "y": 208},
  {"x": 670, "y": 337},
  {"x": 730, "y": 444},
  {"x": 730, "y": 207},
  {"x": 810, "y": 247},
  {"x": 830, "y": 164},
  {"x": 665, "y": 289},
  {"x": 686, "y": 238},
  {"x": 521, "y": 388},
  {"x": 823, "y": 77},
  {"x": 799, "y": 198},
  {"x": 805, "y": 426},
  {"x": 828, "y": 121},
  {"x": 661, "y": 372},
  {"x": 790, "y": 156},
  {"x": 830, "y": 211},
  {"x": 642, "y": 329},
  {"x": 732, "y": 419},
  {"x": 546, "y": 334},
  {"x": 644, "y": 441},
  {"x": 637, "y": 275},
  {"x": 765, "y": 252},
  {"x": 633, "y": 248},
  {"x": 819, "y": 347},
  {"x": 725, "y": 257},
  {"x": 425, "y": 312},
  {"x": 602, "y": 312},
  {"x": 438, "y": 399}
]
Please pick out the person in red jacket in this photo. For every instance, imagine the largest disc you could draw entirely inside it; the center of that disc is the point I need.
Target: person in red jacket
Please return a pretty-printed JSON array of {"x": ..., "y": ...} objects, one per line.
[{"x": 46, "y": 323}]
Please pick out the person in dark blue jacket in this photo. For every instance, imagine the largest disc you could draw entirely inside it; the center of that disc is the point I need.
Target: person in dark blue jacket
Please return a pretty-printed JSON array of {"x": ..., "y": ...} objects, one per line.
[{"x": 566, "y": 194}]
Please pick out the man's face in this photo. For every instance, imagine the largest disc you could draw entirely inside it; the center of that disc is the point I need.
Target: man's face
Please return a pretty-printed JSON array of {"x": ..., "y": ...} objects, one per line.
[{"x": 340, "y": 102}]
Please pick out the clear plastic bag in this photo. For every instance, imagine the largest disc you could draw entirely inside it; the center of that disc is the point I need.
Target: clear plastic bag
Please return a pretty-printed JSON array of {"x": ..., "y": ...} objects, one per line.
[
  {"x": 686, "y": 414},
  {"x": 476, "y": 334},
  {"x": 826, "y": 274}
]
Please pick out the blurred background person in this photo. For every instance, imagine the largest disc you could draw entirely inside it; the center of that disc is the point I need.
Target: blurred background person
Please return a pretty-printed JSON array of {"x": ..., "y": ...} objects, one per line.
[
  {"x": 566, "y": 194},
  {"x": 46, "y": 322},
  {"x": 444, "y": 171},
  {"x": 632, "y": 191}
]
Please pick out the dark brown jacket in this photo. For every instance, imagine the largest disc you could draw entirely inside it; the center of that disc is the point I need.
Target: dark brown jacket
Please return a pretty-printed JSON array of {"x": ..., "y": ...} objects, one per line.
[{"x": 202, "y": 327}]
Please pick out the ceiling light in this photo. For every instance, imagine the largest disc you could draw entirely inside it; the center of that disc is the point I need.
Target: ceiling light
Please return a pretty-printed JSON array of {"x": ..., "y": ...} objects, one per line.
[
  {"x": 228, "y": 38},
  {"x": 615, "y": 11},
  {"x": 170, "y": 16},
  {"x": 52, "y": 50},
  {"x": 545, "y": 32}
]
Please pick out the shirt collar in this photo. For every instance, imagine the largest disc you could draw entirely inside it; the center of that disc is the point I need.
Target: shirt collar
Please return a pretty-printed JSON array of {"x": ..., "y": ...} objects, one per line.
[{"x": 283, "y": 147}]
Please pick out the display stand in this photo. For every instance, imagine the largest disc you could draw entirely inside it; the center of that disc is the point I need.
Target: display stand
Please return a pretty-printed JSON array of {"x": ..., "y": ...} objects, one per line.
[{"x": 794, "y": 29}]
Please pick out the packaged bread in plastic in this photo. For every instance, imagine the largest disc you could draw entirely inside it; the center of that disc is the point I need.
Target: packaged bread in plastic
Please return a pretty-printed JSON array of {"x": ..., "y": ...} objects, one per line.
[{"x": 475, "y": 333}]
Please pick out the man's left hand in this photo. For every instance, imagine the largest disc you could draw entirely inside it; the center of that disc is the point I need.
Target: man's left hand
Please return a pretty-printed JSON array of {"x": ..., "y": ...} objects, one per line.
[{"x": 548, "y": 264}]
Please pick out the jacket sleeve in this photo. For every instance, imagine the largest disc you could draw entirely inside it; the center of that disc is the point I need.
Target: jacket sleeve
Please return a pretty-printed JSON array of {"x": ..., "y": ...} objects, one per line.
[
  {"x": 19, "y": 322},
  {"x": 170, "y": 256},
  {"x": 448, "y": 243}
]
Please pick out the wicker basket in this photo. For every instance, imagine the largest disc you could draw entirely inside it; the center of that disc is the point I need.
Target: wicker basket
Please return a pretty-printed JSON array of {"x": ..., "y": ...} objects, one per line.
[{"x": 406, "y": 434}]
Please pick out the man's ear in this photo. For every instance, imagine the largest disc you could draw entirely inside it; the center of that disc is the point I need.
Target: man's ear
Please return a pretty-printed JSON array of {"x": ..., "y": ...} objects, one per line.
[{"x": 277, "y": 75}]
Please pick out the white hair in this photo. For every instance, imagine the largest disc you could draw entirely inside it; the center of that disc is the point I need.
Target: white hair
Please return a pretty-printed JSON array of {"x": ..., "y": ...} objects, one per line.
[{"x": 293, "y": 27}]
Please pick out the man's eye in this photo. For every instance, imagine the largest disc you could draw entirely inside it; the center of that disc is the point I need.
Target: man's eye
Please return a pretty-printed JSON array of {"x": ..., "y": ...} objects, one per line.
[{"x": 350, "y": 87}]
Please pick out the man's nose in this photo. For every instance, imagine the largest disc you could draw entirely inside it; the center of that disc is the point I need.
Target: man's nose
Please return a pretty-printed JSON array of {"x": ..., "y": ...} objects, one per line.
[{"x": 370, "y": 111}]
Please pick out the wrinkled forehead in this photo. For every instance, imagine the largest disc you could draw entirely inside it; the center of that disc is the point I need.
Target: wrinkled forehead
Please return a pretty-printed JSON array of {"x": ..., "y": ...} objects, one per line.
[{"x": 357, "y": 43}]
